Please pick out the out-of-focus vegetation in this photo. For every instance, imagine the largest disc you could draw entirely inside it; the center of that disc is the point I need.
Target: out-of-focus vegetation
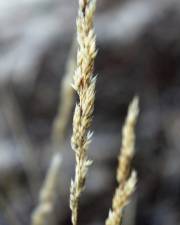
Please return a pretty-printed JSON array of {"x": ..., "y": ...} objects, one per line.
[{"x": 139, "y": 53}]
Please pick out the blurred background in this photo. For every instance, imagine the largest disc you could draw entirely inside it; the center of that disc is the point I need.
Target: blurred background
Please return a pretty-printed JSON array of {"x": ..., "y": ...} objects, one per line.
[{"x": 138, "y": 54}]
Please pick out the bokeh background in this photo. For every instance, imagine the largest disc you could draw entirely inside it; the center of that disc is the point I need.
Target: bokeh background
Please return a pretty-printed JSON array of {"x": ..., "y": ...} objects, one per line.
[{"x": 139, "y": 54}]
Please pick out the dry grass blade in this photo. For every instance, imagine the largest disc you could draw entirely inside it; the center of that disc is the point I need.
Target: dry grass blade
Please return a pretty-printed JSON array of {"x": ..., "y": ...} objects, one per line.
[
  {"x": 84, "y": 85},
  {"x": 48, "y": 194},
  {"x": 66, "y": 99}
]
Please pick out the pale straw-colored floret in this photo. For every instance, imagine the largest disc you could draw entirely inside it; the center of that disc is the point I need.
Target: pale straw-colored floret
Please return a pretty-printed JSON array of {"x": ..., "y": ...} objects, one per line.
[
  {"x": 84, "y": 85},
  {"x": 126, "y": 183},
  {"x": 121, "y": 199},
  {"x": 48, "y": 193},
  {"x": 128, "y": 141}
]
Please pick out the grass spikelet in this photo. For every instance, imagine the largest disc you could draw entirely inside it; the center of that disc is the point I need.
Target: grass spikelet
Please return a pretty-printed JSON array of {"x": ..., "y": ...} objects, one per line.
[
  {"x": 48, "y": 193},
  {"x": 121, "y": 199},
  {"x": 128, "y": 142},
  {"x": 84, "y": 85},
  {"x": 126, "y": 183}
]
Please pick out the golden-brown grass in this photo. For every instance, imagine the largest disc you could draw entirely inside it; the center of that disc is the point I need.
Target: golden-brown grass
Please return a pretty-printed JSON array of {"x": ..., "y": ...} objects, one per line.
[
  {"x": 126, "y": 183},
  {"x": 128, "y": 142},
  {"x": 84, "y": 85},
  {"x": 121, "y": 199}
]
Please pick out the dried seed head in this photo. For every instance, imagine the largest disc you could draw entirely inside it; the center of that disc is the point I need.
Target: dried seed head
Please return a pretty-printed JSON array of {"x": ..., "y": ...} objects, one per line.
[
  {"x": 128, "y": 141},
  {"x": 126, "y": 183},
  {"x": 121, "y": 199},
  {"x": 84, "y": 85}
]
